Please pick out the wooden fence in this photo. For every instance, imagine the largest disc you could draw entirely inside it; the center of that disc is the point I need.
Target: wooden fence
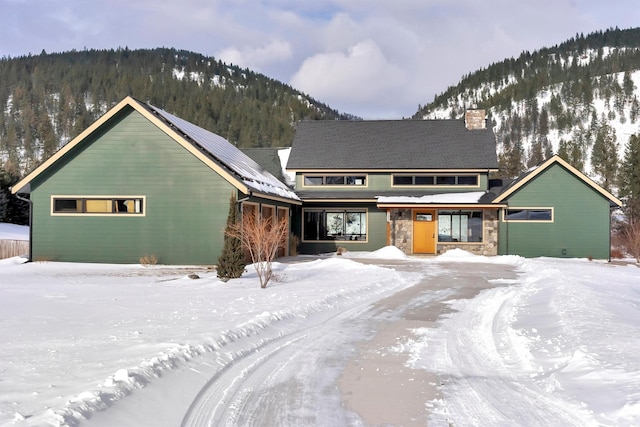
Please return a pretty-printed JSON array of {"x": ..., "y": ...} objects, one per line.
[{"x": 11, "y": 248}]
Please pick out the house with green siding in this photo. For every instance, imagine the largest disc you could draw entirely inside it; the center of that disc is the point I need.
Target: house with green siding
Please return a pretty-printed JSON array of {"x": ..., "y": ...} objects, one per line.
[
  {"x": 142, "y": 182},
  {"x": 555, "y": 210},
  {"x": 424, "y": 186}
]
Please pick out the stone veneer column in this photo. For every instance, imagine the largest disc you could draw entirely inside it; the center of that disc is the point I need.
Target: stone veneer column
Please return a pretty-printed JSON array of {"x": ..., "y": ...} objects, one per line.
[
  {"x": 490, "y": 237},
  {"x": 401, "y": 229}
]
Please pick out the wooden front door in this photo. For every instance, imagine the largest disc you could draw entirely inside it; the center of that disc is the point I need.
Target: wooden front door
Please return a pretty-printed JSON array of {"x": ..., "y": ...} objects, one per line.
[{"x": 424, "y": 232}]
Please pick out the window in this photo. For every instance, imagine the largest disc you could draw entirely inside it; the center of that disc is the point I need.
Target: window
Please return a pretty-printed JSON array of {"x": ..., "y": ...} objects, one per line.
[
  {"x": 312, "y": 180},
  {"x": 460, "y": 226},
  {"x": 98, "y": 205},
  {"x": 528, "y": 214},
  {"x": 444, "y": 180},
  {"x": 335, "y": 224}
]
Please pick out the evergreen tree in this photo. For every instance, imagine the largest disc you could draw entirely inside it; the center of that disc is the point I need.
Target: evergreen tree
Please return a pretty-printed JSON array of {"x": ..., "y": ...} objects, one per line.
[
  {"x": 604, "y": 157},
  {"x": 231, "y": 261},
  {"x": 510, "y": 161},
  {"x": 12, "y": 209},
  {"x": 630, "y": 179},
  {"x": 536, "y": 155}
]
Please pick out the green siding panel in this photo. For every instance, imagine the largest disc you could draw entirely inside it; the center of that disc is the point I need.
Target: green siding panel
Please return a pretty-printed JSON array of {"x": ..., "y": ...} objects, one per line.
[
  {"x": 581, "y": 226},
  {"x": 186, "y": 202}
]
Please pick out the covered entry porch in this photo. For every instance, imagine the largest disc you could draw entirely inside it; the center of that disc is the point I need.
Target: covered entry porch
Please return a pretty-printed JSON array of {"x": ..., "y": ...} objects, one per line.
[{"x": 434, "y": 229}]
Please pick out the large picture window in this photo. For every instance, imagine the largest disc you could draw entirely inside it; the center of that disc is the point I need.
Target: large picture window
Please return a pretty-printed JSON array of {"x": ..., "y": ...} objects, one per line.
[
  {"x": 98, "y": 205},
  {"x": 335, "y": 224},
  {"x": 460, "y": 226}
]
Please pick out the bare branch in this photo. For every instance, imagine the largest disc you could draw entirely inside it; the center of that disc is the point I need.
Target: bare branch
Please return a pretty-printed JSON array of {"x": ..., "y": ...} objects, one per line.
[{"x": 261, "y": 237}]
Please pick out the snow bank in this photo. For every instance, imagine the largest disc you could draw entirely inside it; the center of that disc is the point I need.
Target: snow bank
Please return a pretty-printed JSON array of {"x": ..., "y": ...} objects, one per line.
[
  {"x": 460, "y": 255},
  {"x": 388, "y": 252},
  {"x": 78, "y": 337}
]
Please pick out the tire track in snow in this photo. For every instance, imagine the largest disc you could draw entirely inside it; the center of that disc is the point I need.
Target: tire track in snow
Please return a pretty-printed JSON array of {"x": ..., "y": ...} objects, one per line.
[
  {"x": 484, "y": 379},
  {"x": 242, "y": 392}
]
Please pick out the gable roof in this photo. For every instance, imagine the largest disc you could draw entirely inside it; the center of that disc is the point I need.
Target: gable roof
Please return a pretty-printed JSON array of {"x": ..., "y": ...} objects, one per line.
[
  {"x": 522, "y": 180},
  {"x": 215, "y": 151},
  {"x": 391, "y": 145}
]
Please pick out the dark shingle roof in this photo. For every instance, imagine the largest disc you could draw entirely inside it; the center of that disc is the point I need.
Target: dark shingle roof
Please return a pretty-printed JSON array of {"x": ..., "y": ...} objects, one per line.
[{"x": 392, "y": 144}]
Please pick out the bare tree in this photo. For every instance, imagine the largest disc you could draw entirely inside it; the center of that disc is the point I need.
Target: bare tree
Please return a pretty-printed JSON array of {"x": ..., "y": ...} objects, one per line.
[
  {"x": 261, "y": 237},
  {"x": 631, "y": 238}
]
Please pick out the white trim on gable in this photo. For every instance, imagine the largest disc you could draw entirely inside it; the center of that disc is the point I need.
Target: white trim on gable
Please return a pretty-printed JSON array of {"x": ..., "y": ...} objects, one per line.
[
  {"x": 552, "y": 160},
  {"x": 278, "y": 194}
]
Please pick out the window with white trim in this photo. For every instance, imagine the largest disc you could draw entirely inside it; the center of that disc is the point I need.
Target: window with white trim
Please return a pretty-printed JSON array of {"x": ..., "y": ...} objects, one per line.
[
  {"x": 435, "y": 179},
  {"x": 528, "y": 214},
  {"x": 98, "y": 205},
  {"x": 340, "y": 180}
]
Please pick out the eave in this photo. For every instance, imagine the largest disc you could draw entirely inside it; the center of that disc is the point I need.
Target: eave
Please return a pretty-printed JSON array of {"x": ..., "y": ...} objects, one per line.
[
  {"x": 441, "y": 205},
  {"x": 394, "y": 170}
]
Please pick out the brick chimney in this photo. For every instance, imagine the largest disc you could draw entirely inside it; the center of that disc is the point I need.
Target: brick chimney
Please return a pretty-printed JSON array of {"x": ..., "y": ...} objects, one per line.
[{"x": 474, "y": 119}]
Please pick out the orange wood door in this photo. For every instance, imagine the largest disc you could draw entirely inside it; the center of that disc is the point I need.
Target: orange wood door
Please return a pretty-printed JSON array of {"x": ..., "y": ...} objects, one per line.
[{"x": 424, "y": 232}]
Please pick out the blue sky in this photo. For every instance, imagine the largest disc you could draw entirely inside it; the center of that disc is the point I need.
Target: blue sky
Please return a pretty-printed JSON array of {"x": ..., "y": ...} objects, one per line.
[{"x": 378, "y": 59}]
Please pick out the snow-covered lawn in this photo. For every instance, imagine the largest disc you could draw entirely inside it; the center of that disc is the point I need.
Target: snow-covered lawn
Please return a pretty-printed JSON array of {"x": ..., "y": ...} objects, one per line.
[{"x": 563, "y": 337}]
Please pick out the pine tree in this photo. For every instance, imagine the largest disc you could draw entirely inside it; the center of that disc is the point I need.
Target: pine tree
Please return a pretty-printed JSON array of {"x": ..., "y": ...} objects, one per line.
[
  {"x": 630, "y": 179},
  {"x": 604, "y": 157},
  {"x": 231, "y": 261},
  {"x": 12, "y": 209}
]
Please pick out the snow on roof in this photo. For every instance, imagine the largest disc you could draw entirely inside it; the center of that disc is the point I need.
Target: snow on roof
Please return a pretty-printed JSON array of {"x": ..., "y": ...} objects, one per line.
[
  {"x": 251, "y": 173},
  {"x": 468, "y": 197}
]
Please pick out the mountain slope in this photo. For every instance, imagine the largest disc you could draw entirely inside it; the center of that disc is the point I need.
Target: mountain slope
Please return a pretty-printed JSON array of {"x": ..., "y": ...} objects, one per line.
[
  {"x": 579, "y": 99},
  {"x": 46, "y": 100}
]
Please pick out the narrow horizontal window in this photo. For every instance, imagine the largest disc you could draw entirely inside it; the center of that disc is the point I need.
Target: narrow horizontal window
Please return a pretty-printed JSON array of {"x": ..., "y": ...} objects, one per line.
[
  {"x": 402, "y": 180},
  {"x": 424, "y": 180},
  {"x": 334, "y": 180},
  {"x": 446, "y": 180},
  {"x": 339, "y": 180},
  {"x": 98, "y": 205},
  {"x": 313, "y": 180},
  {"x": 467, "y": 180},
  {"x": 436, "y": 180},
  {"x": 527, "y": 214}
]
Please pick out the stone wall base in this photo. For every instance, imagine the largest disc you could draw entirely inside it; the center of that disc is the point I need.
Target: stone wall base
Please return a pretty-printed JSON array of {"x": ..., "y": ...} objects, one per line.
[{"x": 402, "y": 234}]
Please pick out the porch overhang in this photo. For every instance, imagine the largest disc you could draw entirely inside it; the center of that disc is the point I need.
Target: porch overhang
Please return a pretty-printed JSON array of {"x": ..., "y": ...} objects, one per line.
[
  {"x": 440, "y": 206},
  {"x": 460, "y": 200}
]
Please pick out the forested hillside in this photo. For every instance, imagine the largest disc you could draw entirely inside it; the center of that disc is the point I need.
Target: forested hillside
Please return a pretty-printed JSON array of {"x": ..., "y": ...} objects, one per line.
[
  {"x": 579, "y": 99},
  {"x": 46, "y": 100}
]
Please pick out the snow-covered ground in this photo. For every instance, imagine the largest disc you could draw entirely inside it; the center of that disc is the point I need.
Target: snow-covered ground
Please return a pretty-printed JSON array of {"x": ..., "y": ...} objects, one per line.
[{"x": 558, "y": 344}]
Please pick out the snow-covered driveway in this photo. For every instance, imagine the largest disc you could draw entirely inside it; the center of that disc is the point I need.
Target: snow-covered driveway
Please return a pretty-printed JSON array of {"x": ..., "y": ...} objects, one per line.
[{"x": 457, "y": 339}]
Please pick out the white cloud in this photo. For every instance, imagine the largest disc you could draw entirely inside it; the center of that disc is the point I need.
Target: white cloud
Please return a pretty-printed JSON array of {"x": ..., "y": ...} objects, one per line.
[
  {"x": 358, "y": 76},
  {"x": 256, "y": 58},
  {"x": 372, "y": 58}
]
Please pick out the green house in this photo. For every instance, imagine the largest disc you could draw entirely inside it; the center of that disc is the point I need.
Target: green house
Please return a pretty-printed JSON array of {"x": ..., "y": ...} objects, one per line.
[
  {"x": 420, "y": 185},
  {"x": 555, "y": 210},
  {"x": 424, "y": 186},
  {"x": 141, "y": 182}
]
